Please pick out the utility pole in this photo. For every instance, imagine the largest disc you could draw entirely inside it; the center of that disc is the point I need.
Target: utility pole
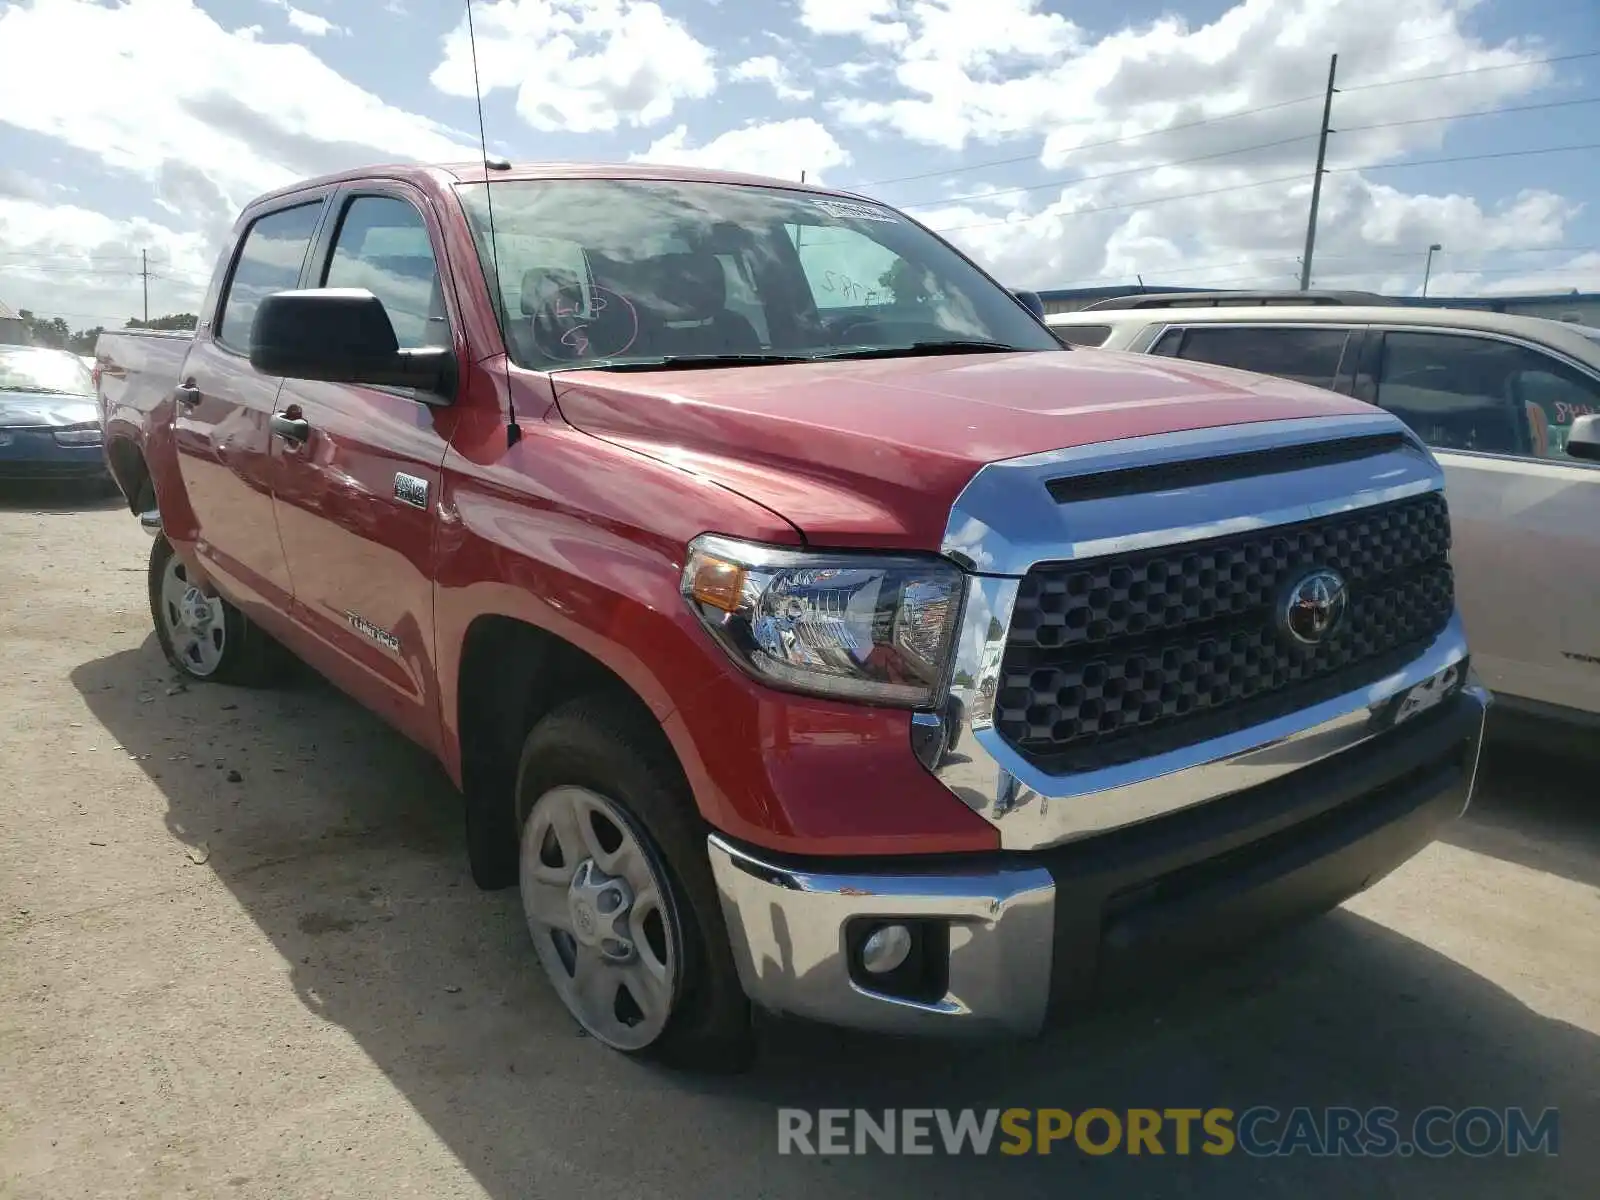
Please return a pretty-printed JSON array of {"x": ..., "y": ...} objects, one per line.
[
  {"x": 144, "y": 278},
  {"x": 1316, "y": 181}
]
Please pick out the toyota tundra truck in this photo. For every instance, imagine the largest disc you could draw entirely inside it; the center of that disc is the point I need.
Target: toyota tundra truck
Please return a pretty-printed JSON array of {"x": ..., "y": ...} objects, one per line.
[{"x": 806, "y": 629}]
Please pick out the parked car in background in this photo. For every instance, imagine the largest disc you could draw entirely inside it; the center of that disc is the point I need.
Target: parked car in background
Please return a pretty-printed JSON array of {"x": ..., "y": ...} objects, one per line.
[
  {"x": 1508, "y": 405},
  {"x": 804, "y": 626},
  {"x": 49, "y": 418}
]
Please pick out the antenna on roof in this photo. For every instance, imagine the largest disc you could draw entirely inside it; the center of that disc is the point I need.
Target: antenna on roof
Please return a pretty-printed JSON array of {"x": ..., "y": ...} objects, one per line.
[{"x": 513, "y": 430}]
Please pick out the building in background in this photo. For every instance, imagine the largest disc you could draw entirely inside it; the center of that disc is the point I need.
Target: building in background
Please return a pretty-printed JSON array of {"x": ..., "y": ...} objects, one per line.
[
  {"x": 13, "y": 329},
  {"x": 1582, "y": 308}
]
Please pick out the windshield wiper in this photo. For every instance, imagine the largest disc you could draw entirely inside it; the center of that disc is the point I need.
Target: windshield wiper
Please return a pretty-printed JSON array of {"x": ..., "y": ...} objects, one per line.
[
  {"x": 39, "y": 391},
  {"x": 955, "y": 346},
  {"x": 678, "y": 362}
]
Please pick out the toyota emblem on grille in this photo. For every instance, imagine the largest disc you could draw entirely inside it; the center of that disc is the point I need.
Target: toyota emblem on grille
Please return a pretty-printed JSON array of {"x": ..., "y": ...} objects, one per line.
[{"x": 1313, "y": 607}]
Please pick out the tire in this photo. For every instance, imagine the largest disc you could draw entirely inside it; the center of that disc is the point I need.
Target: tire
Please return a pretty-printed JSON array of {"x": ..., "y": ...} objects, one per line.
[
  {"x": 230, "y": 649},
  {"x": 601, "y": 748}
]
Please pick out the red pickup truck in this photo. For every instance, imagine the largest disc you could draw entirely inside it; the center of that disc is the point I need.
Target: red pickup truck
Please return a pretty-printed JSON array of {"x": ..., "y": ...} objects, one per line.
[{"x": 805, "y": 627}]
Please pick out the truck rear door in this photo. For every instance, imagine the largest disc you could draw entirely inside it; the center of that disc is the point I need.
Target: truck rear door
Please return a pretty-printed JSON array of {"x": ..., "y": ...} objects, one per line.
[
  {"x": 222, "y": 410},
  {"x": 357, "y": 495}
]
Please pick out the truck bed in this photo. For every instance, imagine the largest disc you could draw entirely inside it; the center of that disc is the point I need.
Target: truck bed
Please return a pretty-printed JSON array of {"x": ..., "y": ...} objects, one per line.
[{"x": 135, "y": 371}]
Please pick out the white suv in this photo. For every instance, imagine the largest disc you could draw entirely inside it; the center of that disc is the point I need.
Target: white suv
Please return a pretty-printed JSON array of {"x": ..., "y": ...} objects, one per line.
[{"x": 1508, "y": 405}]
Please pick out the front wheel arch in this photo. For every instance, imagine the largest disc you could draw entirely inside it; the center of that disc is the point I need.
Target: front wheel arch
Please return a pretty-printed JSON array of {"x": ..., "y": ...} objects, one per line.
[{"x": 513, "y": 674}]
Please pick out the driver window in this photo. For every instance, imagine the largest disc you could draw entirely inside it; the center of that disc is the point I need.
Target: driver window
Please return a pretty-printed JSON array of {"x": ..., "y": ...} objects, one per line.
[
  {"x": 1553, "y": 395},
  {"x": 383, "y": 246}
]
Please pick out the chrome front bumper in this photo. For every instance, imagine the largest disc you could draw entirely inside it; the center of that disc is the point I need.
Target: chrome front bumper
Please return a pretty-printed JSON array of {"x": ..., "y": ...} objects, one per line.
[
  {"x": 1031, "y": 933},
  {"x": 787, "y": 929}
]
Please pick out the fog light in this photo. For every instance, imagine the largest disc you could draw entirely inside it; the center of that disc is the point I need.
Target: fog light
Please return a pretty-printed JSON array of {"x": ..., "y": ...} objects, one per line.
[{"x": 885, "y": 949}]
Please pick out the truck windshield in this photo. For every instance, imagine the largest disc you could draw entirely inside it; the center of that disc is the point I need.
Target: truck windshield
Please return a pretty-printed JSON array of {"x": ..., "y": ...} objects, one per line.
[
  {"x": 37, "y": 369},
  {"x": 613, "y": 273}
]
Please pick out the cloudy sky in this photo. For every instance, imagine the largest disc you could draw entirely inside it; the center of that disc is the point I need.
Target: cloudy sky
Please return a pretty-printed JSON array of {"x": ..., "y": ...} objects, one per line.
[{"x": 1064, "y": 142}]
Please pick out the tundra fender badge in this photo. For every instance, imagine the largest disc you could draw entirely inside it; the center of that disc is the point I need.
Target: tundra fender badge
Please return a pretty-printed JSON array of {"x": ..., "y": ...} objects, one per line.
[
  {"x": 367, "y": 629},
  {"x": 408, "y": 489}
]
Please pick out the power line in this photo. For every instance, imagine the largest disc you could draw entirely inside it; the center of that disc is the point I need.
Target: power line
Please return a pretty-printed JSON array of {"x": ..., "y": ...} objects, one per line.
[
  {"x": 1288, "y": 262},
  {"x": 1132, "y": 137},
  {"x": 1237, "y": 187},
  {"x": 1527, "y": 62},
  {"x": 1461, "y": 158},
  {"x": 1246, "y": 112},
  {"x": 1477, "y": 112},
  {"x": 1049, "y": 183},
  {"x": 1084, "y": 212},
  {"x": 1033, "y": 187}
]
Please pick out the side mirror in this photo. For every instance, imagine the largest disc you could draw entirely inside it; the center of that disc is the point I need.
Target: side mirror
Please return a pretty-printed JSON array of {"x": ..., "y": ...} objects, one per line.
[
  {"x": 341, "y": 335},
  {"x": 1583, "y": 440},
  {"x": 1031, "y": 302}
]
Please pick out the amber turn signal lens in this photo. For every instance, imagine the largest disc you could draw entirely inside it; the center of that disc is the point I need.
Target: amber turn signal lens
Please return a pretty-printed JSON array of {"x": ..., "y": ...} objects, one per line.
[{"x": 718, "y": 583}]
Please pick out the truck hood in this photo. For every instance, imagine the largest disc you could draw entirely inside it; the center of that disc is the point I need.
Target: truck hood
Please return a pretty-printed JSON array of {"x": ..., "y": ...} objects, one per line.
[
  {"x": 875, "y": 452},
  {"x": 19, "y": 410}
]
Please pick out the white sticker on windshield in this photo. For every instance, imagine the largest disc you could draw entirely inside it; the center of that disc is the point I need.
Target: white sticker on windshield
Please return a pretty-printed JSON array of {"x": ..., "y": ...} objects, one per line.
[{"x": 854, "y": 212}]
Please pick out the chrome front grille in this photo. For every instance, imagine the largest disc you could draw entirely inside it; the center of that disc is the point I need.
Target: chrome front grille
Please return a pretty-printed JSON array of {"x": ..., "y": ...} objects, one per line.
[{"x": 1126, "y": 656}]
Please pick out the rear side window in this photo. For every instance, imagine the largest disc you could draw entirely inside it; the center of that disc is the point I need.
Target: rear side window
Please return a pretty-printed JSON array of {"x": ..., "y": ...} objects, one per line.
[
  {"x": 1457, "y": 392},
  {"x": 1304, "y": 355},
  {"x": 274, "y": 250},
  {"x": 1082, "y": 335}
]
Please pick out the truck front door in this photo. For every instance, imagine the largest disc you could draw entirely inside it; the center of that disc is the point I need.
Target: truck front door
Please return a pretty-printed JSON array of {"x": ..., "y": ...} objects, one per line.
[
  {"x": 357, "y": 497},
  {"x": 221, "y": 414}
]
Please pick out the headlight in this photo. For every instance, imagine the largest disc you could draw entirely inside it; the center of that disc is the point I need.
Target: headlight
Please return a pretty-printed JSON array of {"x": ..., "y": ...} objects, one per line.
[
  {"x": 78, "y": 435},
  {"x": 853, "y": 626}
]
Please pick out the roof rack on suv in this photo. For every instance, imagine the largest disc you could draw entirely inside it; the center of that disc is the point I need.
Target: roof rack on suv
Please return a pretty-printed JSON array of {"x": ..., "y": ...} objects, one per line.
[{"x": 1231, "y": 299}]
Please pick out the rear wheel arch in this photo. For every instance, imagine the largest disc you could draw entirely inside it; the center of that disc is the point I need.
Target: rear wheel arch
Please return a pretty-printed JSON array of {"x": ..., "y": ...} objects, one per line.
[{"x": 132, "y": 474}]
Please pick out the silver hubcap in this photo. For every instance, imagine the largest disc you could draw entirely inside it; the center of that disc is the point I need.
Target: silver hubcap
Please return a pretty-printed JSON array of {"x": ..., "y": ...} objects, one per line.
[
  {"x": 595, "y": 906},
  {"x": 194, "y": 620}
]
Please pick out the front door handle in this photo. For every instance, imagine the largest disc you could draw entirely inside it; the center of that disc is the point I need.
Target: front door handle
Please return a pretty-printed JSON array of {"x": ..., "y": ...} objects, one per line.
[
  {"x": 290, "y": 429},
  {"x": 188, "y": 395}
]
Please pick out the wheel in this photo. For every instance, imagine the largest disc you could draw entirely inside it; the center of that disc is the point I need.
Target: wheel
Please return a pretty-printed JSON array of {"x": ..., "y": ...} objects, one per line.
[
  {"x": 203, "y": 636},
  {"x": 618, "y": 894}
]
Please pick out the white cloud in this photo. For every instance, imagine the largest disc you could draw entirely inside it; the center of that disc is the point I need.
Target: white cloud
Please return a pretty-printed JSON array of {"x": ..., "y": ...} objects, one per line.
[
  {"x": 767, "y": 69},
  {"x": 87, "y": 265},
  {"x": 251, "y": 114},
  {"x": 1133, "y": 175},
  {"x": 580, "y": 66},
  {"x": 782, "y": 149},
  {"x": 307, "y": 22},
  {"x": 871, "y": 20},
  {"x": 242, "y": 116}
]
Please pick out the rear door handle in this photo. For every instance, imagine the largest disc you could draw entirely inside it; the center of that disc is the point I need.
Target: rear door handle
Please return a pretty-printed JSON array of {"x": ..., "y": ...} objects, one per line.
[
  {"x": 291, "y": 429},
  {"x": 188, "y": 395}
]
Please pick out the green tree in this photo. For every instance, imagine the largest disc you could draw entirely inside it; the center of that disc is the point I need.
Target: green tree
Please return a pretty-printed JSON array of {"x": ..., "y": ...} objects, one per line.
[{"x": 170, "y": 321}]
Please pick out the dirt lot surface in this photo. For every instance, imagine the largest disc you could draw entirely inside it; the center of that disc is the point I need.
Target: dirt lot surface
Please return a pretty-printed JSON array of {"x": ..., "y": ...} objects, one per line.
[{"x": 240, "y": 956}]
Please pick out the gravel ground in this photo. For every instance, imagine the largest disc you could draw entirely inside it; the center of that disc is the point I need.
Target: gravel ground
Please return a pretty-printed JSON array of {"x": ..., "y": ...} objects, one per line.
[{"x": 240, "y": 956}]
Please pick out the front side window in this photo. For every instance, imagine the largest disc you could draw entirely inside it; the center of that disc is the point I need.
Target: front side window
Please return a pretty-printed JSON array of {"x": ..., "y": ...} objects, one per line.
[
  {"x": 383, "y": 246},
  {"x": 1304, "y": 355},
  {"x": 1553, "y": 395},
  {"x": 1457, "y": 392},
  {"x": 270, "y": 260},
  {"x": 43, "y": 371},
  {"x": 612, "y": 273}
]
